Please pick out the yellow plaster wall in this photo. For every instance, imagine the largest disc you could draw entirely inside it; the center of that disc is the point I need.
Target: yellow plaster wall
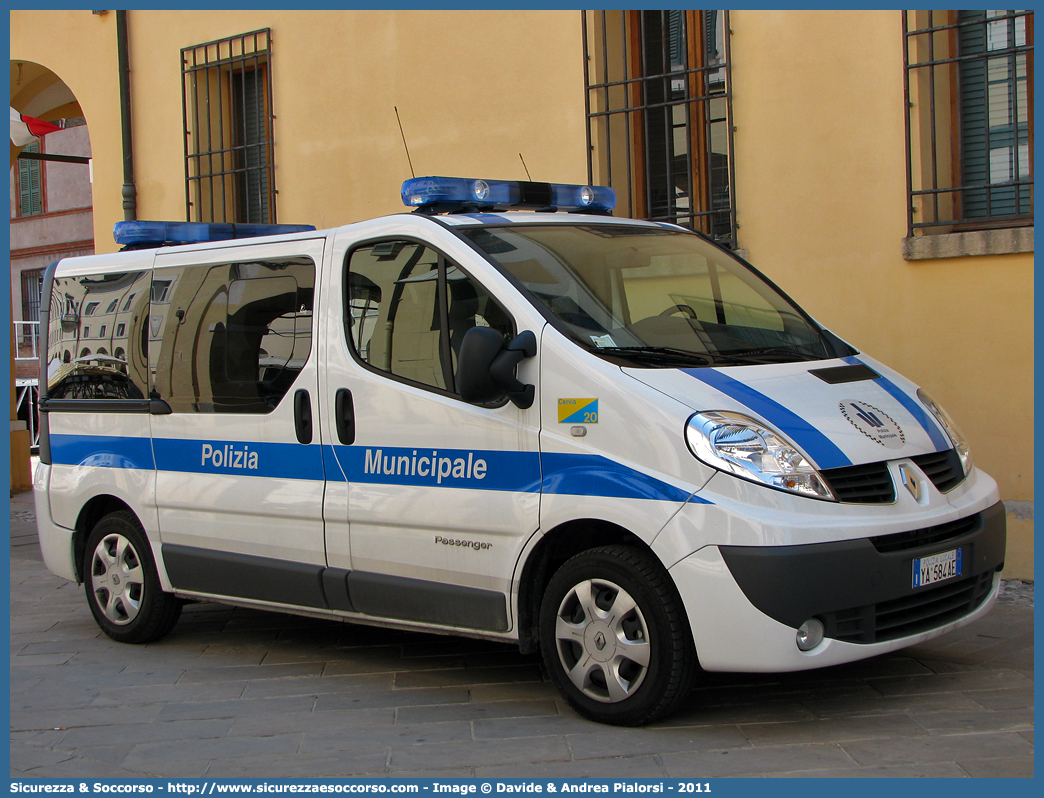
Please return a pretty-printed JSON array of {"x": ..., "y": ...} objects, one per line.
[
  {"x": 821, "y": 177},
  {"x": 473, "y": 89}
]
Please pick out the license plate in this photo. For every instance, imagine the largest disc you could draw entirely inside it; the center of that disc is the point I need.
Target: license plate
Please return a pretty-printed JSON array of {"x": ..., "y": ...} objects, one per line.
[{"x": 938, "y": 567}]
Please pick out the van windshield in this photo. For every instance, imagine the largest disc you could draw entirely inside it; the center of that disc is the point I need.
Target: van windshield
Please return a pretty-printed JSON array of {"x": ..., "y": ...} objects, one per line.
[{"x": 652, "y": 296}]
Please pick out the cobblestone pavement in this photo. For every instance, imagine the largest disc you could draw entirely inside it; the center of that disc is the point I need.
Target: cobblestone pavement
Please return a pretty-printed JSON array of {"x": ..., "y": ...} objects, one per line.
[{"x": 235, "y": 692}]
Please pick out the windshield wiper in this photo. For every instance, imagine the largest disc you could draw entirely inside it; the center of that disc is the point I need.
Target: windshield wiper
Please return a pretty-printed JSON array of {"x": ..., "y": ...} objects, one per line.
[
  {"x": 659, "y": 354},
  {"x": 797, "y": 355}
]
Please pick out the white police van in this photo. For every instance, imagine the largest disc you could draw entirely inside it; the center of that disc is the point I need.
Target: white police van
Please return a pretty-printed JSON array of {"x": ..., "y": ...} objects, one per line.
[{"x": 612, "y": 440}]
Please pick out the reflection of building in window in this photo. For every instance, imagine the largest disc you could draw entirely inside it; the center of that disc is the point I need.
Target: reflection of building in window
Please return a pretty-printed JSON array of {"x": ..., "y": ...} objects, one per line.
[
  {"x": 234, "y": 337},
  {"x": 659, "y": 108},
  {"x": 227, "y": 100},
  {"x": 91, "y": 374},
  {"x": 969, "y": 129}
]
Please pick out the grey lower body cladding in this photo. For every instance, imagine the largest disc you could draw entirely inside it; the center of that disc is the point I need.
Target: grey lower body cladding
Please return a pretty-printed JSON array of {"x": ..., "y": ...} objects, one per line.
[{"x": 196, "y": 570}]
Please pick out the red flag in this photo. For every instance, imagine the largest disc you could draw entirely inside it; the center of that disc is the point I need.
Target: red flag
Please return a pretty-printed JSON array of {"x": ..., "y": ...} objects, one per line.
[{"x": 26, "y": 129}]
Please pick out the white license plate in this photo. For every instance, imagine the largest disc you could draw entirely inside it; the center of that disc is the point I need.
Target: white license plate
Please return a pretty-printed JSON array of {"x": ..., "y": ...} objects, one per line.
[{"x": 938, "y": 567}]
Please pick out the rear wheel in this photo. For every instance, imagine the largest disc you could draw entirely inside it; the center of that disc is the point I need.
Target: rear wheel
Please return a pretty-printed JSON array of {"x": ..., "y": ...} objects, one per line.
[
  {"x": 614, "y": 637},
  {"x": 123, "y": 589}
]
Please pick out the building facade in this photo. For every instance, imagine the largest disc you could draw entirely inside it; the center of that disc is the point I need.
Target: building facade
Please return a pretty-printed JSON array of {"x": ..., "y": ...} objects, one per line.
[{"x": 876, "y": 164}]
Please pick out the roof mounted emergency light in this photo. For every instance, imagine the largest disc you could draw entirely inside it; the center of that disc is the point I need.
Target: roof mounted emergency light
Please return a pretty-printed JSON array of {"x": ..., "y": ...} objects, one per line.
[
  {"x": 467, "y": 195},
  {"x": 146, "y": 235}
]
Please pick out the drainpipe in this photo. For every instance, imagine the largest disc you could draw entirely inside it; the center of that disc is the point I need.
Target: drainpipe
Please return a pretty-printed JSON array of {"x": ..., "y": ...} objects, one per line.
[{"x": 130, "y": 194}]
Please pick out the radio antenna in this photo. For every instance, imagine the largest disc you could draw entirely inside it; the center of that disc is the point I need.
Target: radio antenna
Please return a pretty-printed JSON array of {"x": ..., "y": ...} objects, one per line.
[
  {"x": 404, "y": 144},
  {"x": 525, "y": 167}
]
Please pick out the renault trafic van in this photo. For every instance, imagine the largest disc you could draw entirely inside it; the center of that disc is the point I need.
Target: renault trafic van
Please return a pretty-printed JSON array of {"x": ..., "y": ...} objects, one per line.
[{"x": 506, "y": 415}]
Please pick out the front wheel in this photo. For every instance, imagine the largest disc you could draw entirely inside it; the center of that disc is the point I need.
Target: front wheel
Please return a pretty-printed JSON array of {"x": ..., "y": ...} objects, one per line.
[
  {"x": 615, "y": 638},
  {"x": 123, "y": 589}
]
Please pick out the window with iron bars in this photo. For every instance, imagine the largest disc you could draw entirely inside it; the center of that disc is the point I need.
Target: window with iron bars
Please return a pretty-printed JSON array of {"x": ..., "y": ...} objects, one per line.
[
  {"x": 659, "y": 111},
  {"x": 227, "y": 110},
  {"x": 969, "y": 126}
]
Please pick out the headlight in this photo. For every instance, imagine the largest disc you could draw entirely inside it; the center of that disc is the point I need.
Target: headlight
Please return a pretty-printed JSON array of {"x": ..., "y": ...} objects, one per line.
[
  {"x": 742, "y": 446},
  {"x": 959, "y": 443}
]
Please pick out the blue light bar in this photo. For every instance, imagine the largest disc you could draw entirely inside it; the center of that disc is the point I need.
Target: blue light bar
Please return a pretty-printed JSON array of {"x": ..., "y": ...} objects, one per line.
[
  {"x": 140, "y": 235},
  {"x": 459, "y": 194}
]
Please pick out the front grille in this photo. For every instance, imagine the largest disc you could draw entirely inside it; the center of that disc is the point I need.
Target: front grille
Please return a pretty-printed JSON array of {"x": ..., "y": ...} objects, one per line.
[
  {"x": 942, "y": 468},
  {"x": 916, "y": 538},
  {"x": 861, "y": 484},
  {"x": 909, "y": 615}
]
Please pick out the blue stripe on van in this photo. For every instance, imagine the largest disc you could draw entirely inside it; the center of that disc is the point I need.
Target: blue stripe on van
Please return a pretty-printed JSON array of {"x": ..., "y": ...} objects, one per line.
[
  {"x": 102, "y": 451},
  {"x": 594, "y": 475},
  {"x": 940, "y": 439},
  {"x": 823, "y": 451},
  {"x": 243, "y": 458},
  {"x": 473, "y": 469},
  {"x": 517, "y": 472}
]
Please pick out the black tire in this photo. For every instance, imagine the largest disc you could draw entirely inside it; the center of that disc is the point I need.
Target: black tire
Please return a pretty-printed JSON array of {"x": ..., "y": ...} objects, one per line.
[
  {"x": 123, "y": 590},
  {"x": 627, "y": 658}
]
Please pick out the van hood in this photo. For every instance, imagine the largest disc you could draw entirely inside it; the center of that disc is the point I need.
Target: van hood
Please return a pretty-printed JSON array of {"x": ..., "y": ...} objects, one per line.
[{"x": 836, "y": 411}]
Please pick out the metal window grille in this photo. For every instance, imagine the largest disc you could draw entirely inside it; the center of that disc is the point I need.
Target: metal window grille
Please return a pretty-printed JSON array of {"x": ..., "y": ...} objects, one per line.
[
  {"x": 30, "y": 184},
  {"x": 32, "y": 290},
  {"x": 227, "y": 110},
  {"x": 969, "y": 125},
  {"x": 659, "y": 115}
]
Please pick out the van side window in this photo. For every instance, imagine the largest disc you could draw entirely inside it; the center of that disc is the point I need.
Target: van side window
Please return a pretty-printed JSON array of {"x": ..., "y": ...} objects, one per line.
[
  {"x": 230, "y": 338},
  {"x": 407, "y": 309},
  {"x": 122, "y": 375}
]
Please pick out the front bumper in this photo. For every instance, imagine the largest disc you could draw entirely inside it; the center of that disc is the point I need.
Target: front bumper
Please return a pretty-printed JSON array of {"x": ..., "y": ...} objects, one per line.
[{"x": 745, "y": 603}]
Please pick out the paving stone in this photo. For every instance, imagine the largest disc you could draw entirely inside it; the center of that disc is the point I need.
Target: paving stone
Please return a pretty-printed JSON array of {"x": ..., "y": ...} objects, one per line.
[
  {"x": 89, "y": 716},
  {"x": 468, "y": 676},
  {"x": 319, "y": 685},
  {"x": 252, "y": 673},
  {"x": 870, "y": 702},
  {"x": 392, "y": 698},
  {"x": 692, "y": 714},
  {"x": 603, "y": 741},
  {"x": 750, "y": 761},
  {"x": 169, "y": 693},
  {"x": 137, "y": 734},
  {"x": 387, "y": 659},
  {"x": 932, "y": 770},
  {"x": 202, "y": 710},
  {"x": 477, "y": 752},
  {"x": 976, "y": 721},
  {"x": 475, "y": 711},
  {"x": 617, "y": 767},
  {"x": 1003, "y": 768},
  {"x": 892, "y": 727},
  {"x": 539, "y": 726},
  {"x": 200, "y": 753},
  {"x": 938, "y": 748},
  {"x": 360, "y": 720},
  {"x": 950, "y": 682},
  {"x": 301, "y": 766},
  {"x": 350, "y": 739},
  {"x": 519, "y": 691}
]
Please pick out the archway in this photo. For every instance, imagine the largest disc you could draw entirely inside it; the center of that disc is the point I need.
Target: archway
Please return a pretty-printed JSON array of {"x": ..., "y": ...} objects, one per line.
[{"x": 52, "y": 217}]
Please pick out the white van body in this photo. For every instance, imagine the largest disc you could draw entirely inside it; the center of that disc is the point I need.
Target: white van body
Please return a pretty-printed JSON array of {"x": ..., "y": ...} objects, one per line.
[{"x": 452, "y": 516}]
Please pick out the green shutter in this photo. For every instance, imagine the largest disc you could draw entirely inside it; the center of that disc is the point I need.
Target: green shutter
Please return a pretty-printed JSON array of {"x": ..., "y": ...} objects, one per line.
[
  {"x": 981, "y": 140},
  {"x": 29, "y": 187}
]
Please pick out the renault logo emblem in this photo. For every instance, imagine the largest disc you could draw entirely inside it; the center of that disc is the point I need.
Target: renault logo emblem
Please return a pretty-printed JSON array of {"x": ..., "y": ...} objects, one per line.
[
  {"x": 911, "y": 481},
  {"x": 600, "y": 641}
]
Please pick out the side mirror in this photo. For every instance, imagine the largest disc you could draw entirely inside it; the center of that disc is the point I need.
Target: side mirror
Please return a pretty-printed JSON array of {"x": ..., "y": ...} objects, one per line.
[{"x": 486, "y": 367}]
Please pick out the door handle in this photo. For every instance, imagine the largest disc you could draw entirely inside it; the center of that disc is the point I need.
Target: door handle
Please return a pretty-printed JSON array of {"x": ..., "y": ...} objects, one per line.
[
  {"x": 344, "y": 412},
  {"x": 303, "y": 416}
]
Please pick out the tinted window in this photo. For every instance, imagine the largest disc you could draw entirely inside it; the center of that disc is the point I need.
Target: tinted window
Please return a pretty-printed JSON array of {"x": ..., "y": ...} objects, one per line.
[
  {"x": 97, "y": 375},
  {"x": 230, "y": 338},
  {"x": 409, "y": 309}
]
